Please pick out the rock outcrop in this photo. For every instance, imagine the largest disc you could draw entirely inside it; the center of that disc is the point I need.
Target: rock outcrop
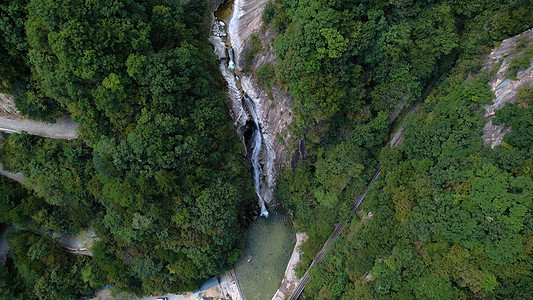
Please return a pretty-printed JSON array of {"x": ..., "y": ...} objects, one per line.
[
  {"x": 7, "y": 104},
  {"x": 504, "y": 88},
  {"x": 245, "y": 21},
  {"x": 273, "y": 109}
]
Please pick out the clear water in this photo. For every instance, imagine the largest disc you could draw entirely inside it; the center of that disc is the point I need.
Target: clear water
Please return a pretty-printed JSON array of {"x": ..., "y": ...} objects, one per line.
[{"x": 269, "y": 245}]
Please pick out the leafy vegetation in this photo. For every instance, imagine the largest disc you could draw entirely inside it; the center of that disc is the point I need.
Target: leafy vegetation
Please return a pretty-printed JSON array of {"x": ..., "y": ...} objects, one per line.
[
  {"x": 157, "y": 170},
  {"x": 351, "y": 61},
  {"x": 450, "y": 216},
  {"x": 15, "y": 67},
  {"x": 519, "y": 116},
  {"x": 45, "y": 271},
  {"x": 254, "y": 47},
  {"x": 520, "y": 62}
]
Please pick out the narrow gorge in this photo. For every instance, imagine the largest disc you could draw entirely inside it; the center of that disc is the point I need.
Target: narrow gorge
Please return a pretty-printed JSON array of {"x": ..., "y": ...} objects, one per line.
[{"x": 260, "y": 119}]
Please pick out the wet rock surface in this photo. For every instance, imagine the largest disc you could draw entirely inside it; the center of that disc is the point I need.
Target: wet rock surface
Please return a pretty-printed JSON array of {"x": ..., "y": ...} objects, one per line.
[
  {"x": 504, "y": 88},
  {"x": 245, "y": 21},
  {"x": 273, "y": 109},
  {"x": 274, "y": 116}
]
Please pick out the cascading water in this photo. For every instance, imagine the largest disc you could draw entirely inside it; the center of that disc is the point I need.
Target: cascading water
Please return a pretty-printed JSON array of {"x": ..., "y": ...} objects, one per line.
[
  {"x": 225, "y": 53},
  {"x": 257, "y": 142},
  {"x": 231, "y": 64}
]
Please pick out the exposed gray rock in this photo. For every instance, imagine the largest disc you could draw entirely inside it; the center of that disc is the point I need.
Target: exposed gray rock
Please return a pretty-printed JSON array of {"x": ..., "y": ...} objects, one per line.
[
  {"x": 77, "y": 244},
  {"x": 7, "y": 104},
  {"x": 245, "y": 21},
  {"x": 274, "y": 110},
  {"x": 505, "y": 89},
  {"x": 274, "y": 116}
]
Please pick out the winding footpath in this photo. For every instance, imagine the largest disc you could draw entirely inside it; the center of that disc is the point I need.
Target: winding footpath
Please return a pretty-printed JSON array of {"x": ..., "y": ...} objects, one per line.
[
  {"x": 19, "y": 177},
  {"x": 64, "y": 128}
]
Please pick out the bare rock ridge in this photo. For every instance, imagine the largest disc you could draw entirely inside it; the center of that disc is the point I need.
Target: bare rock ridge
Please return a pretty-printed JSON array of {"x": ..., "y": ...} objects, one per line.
[
  {"x": 504, "y": 88},
  {"x": 273, "y": 110}
]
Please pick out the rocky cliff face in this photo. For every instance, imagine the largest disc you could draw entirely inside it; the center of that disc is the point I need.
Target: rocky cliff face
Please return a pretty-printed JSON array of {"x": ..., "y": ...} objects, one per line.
[
  {"x": 7, "y": 104},
  {"x": 505, "y": 88},
  {"x": 273, "y": 110},
  {"x": 245, "y": 21}
]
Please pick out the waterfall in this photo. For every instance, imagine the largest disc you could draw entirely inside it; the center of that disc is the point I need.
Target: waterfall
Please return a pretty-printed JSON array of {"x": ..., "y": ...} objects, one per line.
[
  {"x": 257, "y": 142},
  {"x": 225, "y": 54},
  {"x": 231, "y": 65}
]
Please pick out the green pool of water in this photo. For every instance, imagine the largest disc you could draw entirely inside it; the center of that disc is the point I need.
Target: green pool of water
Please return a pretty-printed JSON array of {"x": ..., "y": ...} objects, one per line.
[
  {"x": 224, "y": 11},
  {"x": 269, "y": 245}
]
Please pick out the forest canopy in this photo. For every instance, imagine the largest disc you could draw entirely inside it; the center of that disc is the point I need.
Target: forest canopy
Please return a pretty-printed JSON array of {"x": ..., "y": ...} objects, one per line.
[
  {"x": 157, "y": 169},
  {"x": 160, "y": 176},
  {"x": 450, "y": 218}
]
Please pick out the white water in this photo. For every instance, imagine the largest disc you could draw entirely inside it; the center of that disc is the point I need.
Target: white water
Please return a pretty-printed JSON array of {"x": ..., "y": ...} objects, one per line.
[
  {"x": 237, "y": 112},
  {"x": 257, "y": 142},
  {"x": 227, "y": 67},
  {"x": 231, "y": 64}
]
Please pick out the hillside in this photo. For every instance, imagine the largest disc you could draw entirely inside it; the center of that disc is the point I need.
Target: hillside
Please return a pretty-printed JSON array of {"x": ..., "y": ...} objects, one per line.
[{"x": 396, "y": 135}]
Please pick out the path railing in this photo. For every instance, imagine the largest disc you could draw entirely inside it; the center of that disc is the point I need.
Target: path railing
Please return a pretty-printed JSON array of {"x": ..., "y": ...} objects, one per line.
[{"x": 333, "y": 237}]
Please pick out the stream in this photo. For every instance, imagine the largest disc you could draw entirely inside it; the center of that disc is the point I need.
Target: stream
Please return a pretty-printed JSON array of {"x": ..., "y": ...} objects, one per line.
[
  {"x": 242, "y": 106},
  {"x": 269, "y": 241},
  {"x": 256, "y": 146}
]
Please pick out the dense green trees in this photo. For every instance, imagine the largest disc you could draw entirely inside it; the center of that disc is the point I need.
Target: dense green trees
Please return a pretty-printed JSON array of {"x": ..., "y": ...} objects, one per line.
[
  {"x": 340, "y": 58},
  {"x": 519, "y": 117},
  {"x": 15, "y": 68},
  {"x": 157, "y": 170},
  {"x": 46, "y": 269},
  {"x": 450, "y": 216},
  {"x": 11, "y": 196},
  {"x": 160, "y": 176}
]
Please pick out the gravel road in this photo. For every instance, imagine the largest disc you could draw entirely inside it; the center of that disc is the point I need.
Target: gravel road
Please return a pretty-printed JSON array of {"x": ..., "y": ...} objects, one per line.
[
  {"x": 13, "y": 176},
  {"x": 64, "y": 128}
]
